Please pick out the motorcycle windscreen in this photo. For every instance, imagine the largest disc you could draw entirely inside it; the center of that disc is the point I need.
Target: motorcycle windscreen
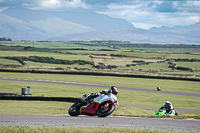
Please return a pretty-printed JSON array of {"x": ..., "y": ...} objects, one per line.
[{"x": 90, "y": 109}]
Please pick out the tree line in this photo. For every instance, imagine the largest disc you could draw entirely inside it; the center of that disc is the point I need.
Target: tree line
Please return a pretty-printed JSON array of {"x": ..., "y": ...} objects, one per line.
[
  {"x": 5, "y": 39},
  {"x": 50, "y": 60}
]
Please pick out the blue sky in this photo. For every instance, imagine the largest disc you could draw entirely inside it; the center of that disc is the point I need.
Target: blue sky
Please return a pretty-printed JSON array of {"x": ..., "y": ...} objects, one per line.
[{"x": 141, "y": 13}]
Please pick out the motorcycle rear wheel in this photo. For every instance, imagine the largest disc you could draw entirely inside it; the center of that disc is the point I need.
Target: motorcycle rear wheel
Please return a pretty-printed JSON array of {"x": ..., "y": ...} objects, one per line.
[
  {"x": 74, "y": 110},
  {"x": 102, "y": 112}
]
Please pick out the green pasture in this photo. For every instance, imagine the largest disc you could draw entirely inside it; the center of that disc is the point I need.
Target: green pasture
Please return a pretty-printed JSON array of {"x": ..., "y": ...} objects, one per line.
[
  {"x": 183, "y": 56},
  {"x": 150, "y": 67},
  {"x": 36, "y": 44},
  {"x": 143, "y": 54},
  {"x": 56, "y": 45},
  {"x": 193, "y": 65},
  {"x": 113, "y": 61},
  {"x": 88, "y": 52},
  {"x": 146, "y": 83},
  {"x": 49, "y": 66},
  {"x": 130, "y": 54},
  {"x": 107, "y": 60},
  {"x": 163, "y": 68},
  {"x": 8, "y": 62},
  {"x": 45, "y": 54},
  {"x": 120, "y": 61},
  {"x": 23, "y": 129},
  {"x": 182, "y": 73}
]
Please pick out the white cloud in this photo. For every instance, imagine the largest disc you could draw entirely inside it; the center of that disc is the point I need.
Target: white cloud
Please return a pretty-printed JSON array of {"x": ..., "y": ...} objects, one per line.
[
  {"x": 193, "y": 3},
  {"x": 75, "y": 4},
  {"x": 50, "y": 3},
  {"x": 61, "y": 4},
  {"x": 145, "y": 26},
  {"x": 145, "y": 15}
]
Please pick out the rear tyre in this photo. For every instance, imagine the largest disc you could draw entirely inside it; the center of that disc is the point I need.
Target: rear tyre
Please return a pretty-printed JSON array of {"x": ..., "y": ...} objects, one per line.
[
  {"x": 74, "y": 110},
  {"x": 103, "y": 112},
  {"x": 176, "y": 114}
]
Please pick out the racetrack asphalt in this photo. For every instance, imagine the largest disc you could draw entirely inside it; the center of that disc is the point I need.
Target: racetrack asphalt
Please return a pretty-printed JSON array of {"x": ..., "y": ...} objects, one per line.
[{"x": 109, "y": 122}]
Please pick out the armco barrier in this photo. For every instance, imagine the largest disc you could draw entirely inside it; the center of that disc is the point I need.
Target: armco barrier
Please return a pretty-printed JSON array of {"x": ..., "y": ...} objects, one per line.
[{"x": 37, "y": 98}]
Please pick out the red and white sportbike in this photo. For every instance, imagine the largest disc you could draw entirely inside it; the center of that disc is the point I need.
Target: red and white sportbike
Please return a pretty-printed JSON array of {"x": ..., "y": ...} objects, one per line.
[{"x": 102, "y": 104}]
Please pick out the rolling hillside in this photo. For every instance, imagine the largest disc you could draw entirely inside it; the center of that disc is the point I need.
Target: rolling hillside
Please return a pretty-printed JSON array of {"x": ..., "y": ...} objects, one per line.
[{"x": 22, "y": 23}]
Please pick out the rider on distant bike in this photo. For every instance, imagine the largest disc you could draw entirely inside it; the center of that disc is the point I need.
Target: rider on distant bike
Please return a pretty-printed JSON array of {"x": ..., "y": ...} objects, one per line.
[{"x": 169, "y": 108}]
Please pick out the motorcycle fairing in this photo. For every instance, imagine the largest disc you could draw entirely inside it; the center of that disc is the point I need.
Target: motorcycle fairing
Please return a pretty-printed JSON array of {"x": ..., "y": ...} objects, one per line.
[
  {"x": 160, "y": 112},
  {"x": 103, "y": 98},
  {"x": 90, "y": 109}
]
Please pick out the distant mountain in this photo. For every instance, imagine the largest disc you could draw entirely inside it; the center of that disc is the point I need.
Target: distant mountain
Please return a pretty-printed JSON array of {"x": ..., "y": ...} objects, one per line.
[
  {"x": 158, "y": 36},
  {"x": 22, "y": 23},
  {"x": 97, "y": 21},
  {"x": 52, "y": 25},
  {"x": 190, "y": 31},
  {"x": 18, "y": 29}
]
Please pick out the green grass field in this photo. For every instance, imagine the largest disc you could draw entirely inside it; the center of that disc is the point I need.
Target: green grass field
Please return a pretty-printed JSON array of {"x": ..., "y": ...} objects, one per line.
[
  {"x": 183, "y": 56},
  {"x": 168, "y": 85},
  {"x": 20, "y": 129},
  {"x": 45, "y": 54},
  {"x": 151, "y": 67},
  {"x": 9, "y": 62},
  {"x": 193, "y": 65},
  {"x": 47, "y": 65},
  {"x": 125, "y": 97},
  {"x": 122, "y": 63},
  {"x": 144, "y": 54},
  {"x": 88, "y": 52}
]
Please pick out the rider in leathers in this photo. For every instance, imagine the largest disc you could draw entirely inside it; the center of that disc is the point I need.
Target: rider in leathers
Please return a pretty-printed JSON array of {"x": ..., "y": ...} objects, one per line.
[
  {"x": 113, "y": 90},
  {"x": 169, "y": 108}
]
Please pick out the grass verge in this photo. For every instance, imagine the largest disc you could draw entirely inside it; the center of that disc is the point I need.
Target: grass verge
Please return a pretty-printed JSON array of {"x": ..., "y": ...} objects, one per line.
[
  {"x": 165, "y": 84},
  {"x": 20, "y": 129}
]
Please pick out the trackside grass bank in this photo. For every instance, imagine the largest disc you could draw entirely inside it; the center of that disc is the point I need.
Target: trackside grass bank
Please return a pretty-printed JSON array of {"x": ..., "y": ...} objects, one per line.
[
  {"x": 20, "y": 129},
  {"x": 125, "y": 97},
  {"x": 165, "y": 84}
]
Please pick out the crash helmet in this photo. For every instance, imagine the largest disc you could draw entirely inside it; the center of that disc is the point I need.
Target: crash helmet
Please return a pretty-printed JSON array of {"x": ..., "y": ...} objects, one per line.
[
  {"x": 85, "y": 96},
  {"x": 168, "y": 104},
  {"x": 113, "y": 90}
]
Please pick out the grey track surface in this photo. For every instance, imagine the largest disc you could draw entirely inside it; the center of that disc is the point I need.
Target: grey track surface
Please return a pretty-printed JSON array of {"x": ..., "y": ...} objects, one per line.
[
  {"x": 110, "y": 122},
  {"x": 100, "y": 86}
]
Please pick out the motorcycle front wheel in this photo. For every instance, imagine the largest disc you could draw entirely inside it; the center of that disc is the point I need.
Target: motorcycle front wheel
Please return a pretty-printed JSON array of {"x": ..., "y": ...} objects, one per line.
[
  {"x": 103, "y": 112},
  {"x": 74, "y": 110}
]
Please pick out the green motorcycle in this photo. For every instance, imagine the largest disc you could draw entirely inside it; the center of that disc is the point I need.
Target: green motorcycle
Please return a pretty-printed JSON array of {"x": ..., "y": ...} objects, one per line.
[{"x": 162, "y": 112}]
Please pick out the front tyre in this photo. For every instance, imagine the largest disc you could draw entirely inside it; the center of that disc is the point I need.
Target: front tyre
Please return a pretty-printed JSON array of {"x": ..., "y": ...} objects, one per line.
[
  {"x": 103, "y": 112},
  {"x": 74, "y": 110}
]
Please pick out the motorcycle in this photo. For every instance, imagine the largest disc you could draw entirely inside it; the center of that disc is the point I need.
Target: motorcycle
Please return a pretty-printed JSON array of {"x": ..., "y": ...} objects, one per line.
[
  {"x": 162, "y": 112},
  {"x": 94, "y": 104}
]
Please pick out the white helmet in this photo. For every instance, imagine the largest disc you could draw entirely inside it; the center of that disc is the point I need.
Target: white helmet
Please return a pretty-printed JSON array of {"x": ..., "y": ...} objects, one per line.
[{"x": 168, "y": 103}]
